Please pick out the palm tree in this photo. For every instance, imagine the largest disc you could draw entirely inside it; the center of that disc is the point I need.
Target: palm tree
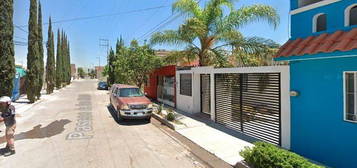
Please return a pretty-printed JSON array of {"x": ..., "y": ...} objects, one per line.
[
  {"x": 209, "y": 31},
  {"x": 254, "y": 51}
]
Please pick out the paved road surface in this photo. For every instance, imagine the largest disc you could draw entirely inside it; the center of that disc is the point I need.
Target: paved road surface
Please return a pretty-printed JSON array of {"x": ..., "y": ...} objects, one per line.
[{"x": 75, "y": 129}]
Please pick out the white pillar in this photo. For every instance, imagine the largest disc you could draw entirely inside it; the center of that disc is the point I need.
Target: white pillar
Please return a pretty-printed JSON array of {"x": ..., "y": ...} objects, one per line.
[{"x": 213, "y": 101}]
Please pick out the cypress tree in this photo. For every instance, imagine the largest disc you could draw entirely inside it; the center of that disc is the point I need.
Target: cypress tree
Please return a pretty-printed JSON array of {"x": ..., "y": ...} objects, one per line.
[
  {"x": 119, "y": 51},
  {"x": 59, "y": 61},
  {"x": 63, "y": 55},
  {"x": 40, "y": 45},
  {"x": 50, "y": 63},
  {"x": 33, "y": 54},
  {"x": 68, "y": 73},
  {"x": 111, "y": 67},
  {"x": 69, "y": 62},
  {"x": 7, "y": 63}
]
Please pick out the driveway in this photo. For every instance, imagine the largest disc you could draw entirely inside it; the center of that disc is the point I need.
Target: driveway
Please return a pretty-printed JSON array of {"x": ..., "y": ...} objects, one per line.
[{"x": 76, "y": 129}]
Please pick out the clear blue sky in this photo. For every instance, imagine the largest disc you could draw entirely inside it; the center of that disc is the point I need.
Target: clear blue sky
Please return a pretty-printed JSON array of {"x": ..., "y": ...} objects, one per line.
[{"x": 84, "y": 35}]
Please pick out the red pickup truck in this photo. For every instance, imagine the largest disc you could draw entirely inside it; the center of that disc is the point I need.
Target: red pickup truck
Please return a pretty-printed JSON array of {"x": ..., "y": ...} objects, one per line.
[{"x": 130, "y": 103}]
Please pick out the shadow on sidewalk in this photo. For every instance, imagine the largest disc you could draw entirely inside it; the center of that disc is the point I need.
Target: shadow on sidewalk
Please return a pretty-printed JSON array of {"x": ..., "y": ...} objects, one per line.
[
  {"x": 38, "y": 132},
  {"x": 207, "y": 121},
  {"x": 124, "y": 122}
]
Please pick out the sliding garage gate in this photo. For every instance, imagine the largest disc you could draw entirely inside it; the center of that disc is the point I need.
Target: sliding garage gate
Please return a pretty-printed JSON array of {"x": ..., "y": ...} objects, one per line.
[{"x": 250, "y": 103}]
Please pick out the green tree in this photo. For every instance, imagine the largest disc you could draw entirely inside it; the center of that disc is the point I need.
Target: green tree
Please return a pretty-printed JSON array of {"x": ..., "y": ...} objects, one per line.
[
  {"x": 81, "y": 72},
  {"x": 134, "y": 63},
  {"x": 69, "y": 63},
  {"x": 256, "y": 52},
  {"x": 66, "y": 63},
  {"x": 7, "y": 63},
  {"x": 63, "y": 58},
  {"x": 50, "y": 63},
  {"x": 110, "y": 68},
  {"x": 119, "y": 45},
  {"x": 40, "y": 59},
  {"x": 59, "y": 61},
  {"x": 91, "y": 73},
  {"x": 208, "y": 30},
  {"x": 33, "y": 63},
  {"x": 105, "y": 71}
]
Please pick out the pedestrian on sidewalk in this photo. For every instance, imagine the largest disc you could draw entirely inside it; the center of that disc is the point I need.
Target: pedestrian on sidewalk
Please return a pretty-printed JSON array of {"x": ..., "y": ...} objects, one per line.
[{"x": 8, "y": 116}]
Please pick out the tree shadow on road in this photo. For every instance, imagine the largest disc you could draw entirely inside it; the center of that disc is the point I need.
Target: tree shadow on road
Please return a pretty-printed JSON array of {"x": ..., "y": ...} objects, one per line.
[
  {"x": 124, "y": 122},
  {"x": 38, "y": 132}
]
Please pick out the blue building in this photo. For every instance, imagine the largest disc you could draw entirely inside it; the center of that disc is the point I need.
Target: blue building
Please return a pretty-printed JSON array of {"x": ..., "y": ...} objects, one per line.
[{"x": 322, "y": 53}]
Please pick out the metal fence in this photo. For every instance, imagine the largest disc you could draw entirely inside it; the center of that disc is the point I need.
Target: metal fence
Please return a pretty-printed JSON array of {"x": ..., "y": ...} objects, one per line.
[{"x": 250, "y": 103}]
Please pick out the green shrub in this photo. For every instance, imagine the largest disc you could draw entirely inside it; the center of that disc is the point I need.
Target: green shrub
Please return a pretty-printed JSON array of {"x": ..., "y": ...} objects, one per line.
[
  {"x": 170, "y": 116},
  {"x": 159, "y": 110},
  {"x": 265, "y": 155}
]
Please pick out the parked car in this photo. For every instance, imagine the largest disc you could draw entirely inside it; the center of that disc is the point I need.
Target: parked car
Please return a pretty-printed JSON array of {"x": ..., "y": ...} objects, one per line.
[
  {"x": 130, "y": 103},
  {"x": 102, "y": 86}
]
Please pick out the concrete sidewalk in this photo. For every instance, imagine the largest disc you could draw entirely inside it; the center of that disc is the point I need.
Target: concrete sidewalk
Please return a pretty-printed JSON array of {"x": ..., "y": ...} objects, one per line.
[
  {"x": 23, "y": 106},
  {"x": 218, "y": 140}
]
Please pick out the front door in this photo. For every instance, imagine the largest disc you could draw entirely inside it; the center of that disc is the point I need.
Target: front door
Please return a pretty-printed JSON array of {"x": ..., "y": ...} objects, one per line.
[{"x": 205, "y": 94}]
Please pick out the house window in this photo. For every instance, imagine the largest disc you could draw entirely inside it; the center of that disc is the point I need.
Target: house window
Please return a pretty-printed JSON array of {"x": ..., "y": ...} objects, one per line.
[
  {"x": 303, "y": 3},
  {"x": 186, "y": 84},
  {"x": 351, "y": 15},
  {"x": 319, "y": 22},
  {"x": 350, "y": 91}
]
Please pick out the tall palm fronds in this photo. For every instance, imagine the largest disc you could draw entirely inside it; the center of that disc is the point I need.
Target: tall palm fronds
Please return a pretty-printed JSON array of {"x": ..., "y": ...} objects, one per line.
[{"x": 209, "y": 30}]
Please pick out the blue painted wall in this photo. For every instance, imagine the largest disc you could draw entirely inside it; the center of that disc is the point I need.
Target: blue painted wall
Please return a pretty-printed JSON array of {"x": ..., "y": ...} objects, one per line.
[
  {"x": 301, "y": 23},
  {"x": 318, "y": 130}
]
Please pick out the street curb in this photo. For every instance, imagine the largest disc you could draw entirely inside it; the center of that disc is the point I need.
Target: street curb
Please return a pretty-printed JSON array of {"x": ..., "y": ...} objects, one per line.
[
  {"x": 164, "y": 121},
  {"x": 173, "y": 127},
  {"x": 212, "y": 161},
  {"x": 23, "y": 110},
  {"x": 242, "y": 164}
]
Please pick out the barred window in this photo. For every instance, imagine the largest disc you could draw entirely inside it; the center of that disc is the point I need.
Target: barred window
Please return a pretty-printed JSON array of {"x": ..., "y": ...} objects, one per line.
[
  {"x": 186, "y": 84},
  {"x": 350, "y": 96}
]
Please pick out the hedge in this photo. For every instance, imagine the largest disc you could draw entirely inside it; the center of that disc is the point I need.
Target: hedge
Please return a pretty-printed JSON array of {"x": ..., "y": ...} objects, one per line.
[{"x": 265, "y": 155}]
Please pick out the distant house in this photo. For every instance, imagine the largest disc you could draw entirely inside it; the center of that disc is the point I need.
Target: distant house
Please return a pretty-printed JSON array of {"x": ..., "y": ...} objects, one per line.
[
  {"x": 162, "y": 53},
  {"x": 322, "y": 53},
  {"x": 99, "y": 72}
]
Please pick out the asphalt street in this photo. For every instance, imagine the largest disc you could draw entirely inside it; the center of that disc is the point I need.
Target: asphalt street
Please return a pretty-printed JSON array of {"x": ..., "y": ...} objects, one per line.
[{"x": 75, "y": 128}]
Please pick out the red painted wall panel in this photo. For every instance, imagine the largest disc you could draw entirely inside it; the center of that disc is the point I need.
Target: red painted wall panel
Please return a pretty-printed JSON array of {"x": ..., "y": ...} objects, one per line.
[{"x": 151, "y": 89}]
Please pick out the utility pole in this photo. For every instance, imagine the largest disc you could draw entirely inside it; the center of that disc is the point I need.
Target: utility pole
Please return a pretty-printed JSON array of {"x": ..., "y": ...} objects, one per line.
[
  {"x": 98, "y": 61},
  {"x": 105, "y": 43}
]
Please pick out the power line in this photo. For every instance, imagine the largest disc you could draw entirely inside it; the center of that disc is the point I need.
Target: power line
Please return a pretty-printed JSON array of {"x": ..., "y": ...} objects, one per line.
[
  {"x": 24, "y": 42},
  {"x": 20, "y": 28},
  {"x": 152, "y": 29},
  {"x": 148, "y": 19},
  {"x": 105, "y": 15},
  {"x": 20, "y": 43},
  {"x": 20, "y": 37},
  {"x": 159, "y": 27},
  {"x": 162, "y": 24}
]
